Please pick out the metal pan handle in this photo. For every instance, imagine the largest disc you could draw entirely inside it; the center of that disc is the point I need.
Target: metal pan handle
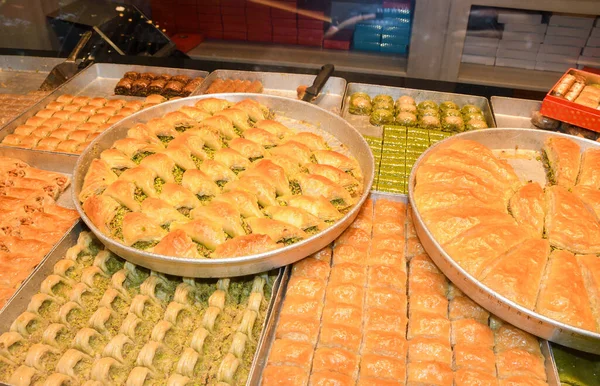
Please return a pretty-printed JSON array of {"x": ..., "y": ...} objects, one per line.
[
  {"x": 320, "y": 80},
  {"x": 85, "y": 37}
]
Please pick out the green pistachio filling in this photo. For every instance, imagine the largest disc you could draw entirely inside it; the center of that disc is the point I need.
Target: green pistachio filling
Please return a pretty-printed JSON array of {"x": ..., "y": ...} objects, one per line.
[
  {"x": 140, "y": 156},
  {"x": 116, "y": 224},
  {"x": 295, "y": 187},
  {"x": 158, "y": 184},
  {"x": 178, "y": 174},
  {"x": 139, "y": 195},
  {"x": 165, "y": 139},
  {"x": 144, "y": 244}
]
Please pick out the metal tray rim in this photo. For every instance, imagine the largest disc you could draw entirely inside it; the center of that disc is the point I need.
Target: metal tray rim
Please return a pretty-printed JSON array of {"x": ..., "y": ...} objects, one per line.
[
  {"x": 425, "y": 235},
  {"x": 334, "y": 230}
]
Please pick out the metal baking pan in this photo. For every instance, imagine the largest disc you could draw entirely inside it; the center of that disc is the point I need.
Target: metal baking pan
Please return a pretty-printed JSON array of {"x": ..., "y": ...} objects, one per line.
[
  {"x": 269, "y": 335},
  {"x": 514, "y": 112},
  {"x": 521, "y": 146},
  {"x": 293, "y": 113},
  {"x": 98, "y": 80},
  {"x": 361, "y": 122},
  {"x": 285, "y": 85},
  {"x": 22, "y": 74},
  {"x": 18, "y": 303}
]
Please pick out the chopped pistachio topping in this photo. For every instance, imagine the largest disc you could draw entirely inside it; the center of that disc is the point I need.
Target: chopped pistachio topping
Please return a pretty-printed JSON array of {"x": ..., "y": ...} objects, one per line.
[
  {"x": 140, "y": 156},
  {"x": 178, "y": 174}
]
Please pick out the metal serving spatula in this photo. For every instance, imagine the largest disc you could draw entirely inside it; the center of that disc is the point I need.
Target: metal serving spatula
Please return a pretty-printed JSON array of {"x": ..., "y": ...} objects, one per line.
[{"x": 67, "y": 69}]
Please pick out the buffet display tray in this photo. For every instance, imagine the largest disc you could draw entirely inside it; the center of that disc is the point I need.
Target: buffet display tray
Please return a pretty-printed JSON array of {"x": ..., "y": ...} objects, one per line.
[
  {"x": 285, "y": 85},
  {"x": 269, "y": 335},
  {"x": 291, "y": 113},
  {"x": 20, "y": 300},
  {"x": 519, "y": 147},
  {"x": 98, "y": 80},
  {"x": 22, "y": 74},
  {"x": 514, "y": 112},
  {"x": 361, "y": 122}
]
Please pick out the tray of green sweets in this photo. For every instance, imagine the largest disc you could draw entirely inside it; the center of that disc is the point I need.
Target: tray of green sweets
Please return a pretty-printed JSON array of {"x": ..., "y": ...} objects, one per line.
[{"x": 395, "y": 153}]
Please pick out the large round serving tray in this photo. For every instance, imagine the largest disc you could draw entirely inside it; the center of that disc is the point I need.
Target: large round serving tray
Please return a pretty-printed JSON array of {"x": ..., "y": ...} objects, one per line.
[
  {"x": 302, "y": 116},
  {"x": 515, "y": 146}
]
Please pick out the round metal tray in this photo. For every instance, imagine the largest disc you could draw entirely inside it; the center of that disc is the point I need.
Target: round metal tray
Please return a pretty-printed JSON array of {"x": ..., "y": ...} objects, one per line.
[
  {"x": 302, "y": 116},
  {"x": 515, "y": 144}
]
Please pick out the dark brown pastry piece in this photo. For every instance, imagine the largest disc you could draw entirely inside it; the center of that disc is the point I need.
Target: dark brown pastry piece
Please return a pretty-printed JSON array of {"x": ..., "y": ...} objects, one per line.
[
  {"x": 166, "y": 77},
  {"x": 148, "y": 75},
  {"x": 124, "y": 86},
  {"x": 131, "y": 75},
  {"x": 182, "y": 78},
  {"x": 157, "y": 86},
  {"x": 191, "y": 86},
  {"x": 173, "y": 89},
  {"x": 140, "y": 87}
]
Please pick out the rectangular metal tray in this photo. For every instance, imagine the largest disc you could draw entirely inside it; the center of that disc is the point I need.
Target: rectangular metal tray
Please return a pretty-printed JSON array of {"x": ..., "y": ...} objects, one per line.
[
  {"x": 514, "y": 112},
  {"x": 285, "y": 85},
  {"x": 98, "y": 80},
  {"x": 22, "y": 74},
  {"x": 18, "y": 303},
  {"x": 361, "y": 122},
  {"x": 550, "y": 365}
]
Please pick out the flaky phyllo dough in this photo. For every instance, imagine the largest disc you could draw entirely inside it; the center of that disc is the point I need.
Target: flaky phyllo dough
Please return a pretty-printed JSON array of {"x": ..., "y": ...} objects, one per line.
[
  {"x": 98, "y": 320},
  {"x": 218, "y": 180},
  {"x": 537, "y": 246}
]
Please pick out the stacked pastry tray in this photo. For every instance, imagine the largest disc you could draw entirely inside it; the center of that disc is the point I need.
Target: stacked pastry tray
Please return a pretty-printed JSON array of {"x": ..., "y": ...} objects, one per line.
[
  {"x": 373, "y": 308},
  {"x": 86, "y": 314},
  {"x": 99, "y": 81},
  {"x": 285, "y": 85}
]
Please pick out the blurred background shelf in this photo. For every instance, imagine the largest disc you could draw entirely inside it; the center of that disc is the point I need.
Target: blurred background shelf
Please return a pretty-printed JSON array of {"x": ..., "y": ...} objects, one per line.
[{"x": 507, "y": 77}]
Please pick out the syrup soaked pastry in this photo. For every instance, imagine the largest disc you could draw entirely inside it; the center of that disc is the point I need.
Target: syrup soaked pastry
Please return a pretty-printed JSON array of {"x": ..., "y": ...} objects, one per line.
[
  {"x": 255, "y": 184},
  {"x": 100, "y": 320},
  {"x": 501, "y": 230}
]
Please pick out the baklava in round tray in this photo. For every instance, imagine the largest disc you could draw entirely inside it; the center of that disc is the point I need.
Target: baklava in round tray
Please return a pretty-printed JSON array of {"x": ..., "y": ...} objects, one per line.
[
  {"x": 511, "y": 217},
  {"x": 227, "y": 186}
]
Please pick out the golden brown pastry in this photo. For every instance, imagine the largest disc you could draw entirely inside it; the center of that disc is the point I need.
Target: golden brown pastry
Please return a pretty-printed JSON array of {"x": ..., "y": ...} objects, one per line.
[
  {"x": 563, "y": 295},
  {"x": 590, "y": 197},
  {"x": 563, "y": 158},
  {"x": 517, "y": 274},
  {"x": 589, "y": 175},
  {"x": 590, "y": 269},
  {"x": 569, "y": 223},
  {"x": 475, "y": 248},
  {"x": 527, "y": 207},
  {"x": 245, "y": 245}
]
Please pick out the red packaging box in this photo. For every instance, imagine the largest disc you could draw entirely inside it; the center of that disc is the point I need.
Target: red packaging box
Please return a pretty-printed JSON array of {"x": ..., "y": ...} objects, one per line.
[
  {"x": 255, "y": 7},
  {"x": 260, "y": 28},
  {"x": 234, "y": 35},
  {"x": 285, "y": 39},
  {"x": 563, "y": 110},
  {"x": 209, "y": 10},
  {"x": 186, "y": 2},
  {"x": 310, "y": 24},
  {"x": 233, "y": 10},
  {"x": 320, "y": 13},
  {"x": 233, "y": 3},
  {"x": 281, "y": 14},
  {"x": 233, "y": 19},
  {"x": 187, "y": 22},
  {"x": 310, "y": 41},
  {"x": 284, "y": 23},
  {"x": 209, "y": 18},
  {"x": 213, "y": 34},
  {"x": 336, "y": 44},
  {"x": 202, "y": 3},
  {"x": 216, "y": 25},
  {"x": 235, "y": 27},
  {"x": 311, "y": 33},
  {"x": 284, "y": 31},
  {"x": 259, "y": 37},
  {"x": 185, "y": 11}
]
